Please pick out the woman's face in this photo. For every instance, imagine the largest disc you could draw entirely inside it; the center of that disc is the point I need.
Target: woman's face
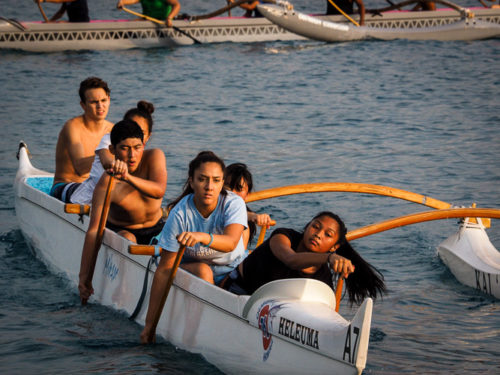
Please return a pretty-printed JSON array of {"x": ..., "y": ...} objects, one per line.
[
  {"x": 143, "y": 123},
  {"x": 207, "y": 184},
  {"x": 321, "y": 234},
  {"x": 241, "y": 189}
]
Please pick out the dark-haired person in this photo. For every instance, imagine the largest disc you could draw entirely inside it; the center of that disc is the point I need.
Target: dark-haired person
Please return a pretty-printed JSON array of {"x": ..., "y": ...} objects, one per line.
[
  {"x": 238, "y": 179},
  {"x": 79, "y": 138},
  {"x": 347, "y": 6},
  {"x": 209, "y": 221},
  {"x": 159, "y": 9},
  {"x": 77, "y": 10},
  {"x": 142, "y": 115},
  {"x": 317, "y": 252},
  {"x": 250, "y": 8},
  {"x": 424, "y": 5},
  {"x": 135, "y": 209}
]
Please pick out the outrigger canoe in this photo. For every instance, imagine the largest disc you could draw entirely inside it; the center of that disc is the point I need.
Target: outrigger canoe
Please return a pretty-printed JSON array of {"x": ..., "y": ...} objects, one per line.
[
  {"x": 32, "y": 36},
  {"x": 287, "y": 326},
  {"x": 466, "y": 26}
]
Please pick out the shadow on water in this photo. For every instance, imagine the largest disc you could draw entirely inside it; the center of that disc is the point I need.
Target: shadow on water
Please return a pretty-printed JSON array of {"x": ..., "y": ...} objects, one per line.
[{"x": 45, "y": 330}]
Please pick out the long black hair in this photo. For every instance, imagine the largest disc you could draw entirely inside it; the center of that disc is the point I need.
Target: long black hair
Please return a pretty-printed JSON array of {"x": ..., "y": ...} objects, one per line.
[
  {"x": 201, "y": 158},
  {"x": 366, "y": 280},
  {"x": 232, "y": 181}
]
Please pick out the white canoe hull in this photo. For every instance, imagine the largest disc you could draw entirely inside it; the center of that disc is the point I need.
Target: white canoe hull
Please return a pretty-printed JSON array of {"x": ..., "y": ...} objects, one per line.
[
  {"x": 325, "y": 30},
  {"x": 306, "y": 335},
  {"x": 118, "y": 35},
  {"x": 472, "y": 258}
]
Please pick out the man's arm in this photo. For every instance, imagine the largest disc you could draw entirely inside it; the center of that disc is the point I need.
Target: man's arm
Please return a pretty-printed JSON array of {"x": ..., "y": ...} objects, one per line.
[
  {"x": 176, "y": 7},
  {"x": 361, "y": 11},
  {"x": 121, "y": 3},
  {"x": 90, "y": 251},
  {"x": 106, "y": 157},
  {"x": 156, "y": 183},
  {"x": 72, "y": 139}
]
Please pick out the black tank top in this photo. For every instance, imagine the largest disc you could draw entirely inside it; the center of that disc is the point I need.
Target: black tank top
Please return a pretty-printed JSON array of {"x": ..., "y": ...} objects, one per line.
[
  {"x": 261, "y": 266},
  {"x": 78, "y": 11}
]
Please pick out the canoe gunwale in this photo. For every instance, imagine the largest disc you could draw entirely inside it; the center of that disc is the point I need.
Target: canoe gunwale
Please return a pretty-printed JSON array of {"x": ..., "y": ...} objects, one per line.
[{"x": 119, "y": 35}]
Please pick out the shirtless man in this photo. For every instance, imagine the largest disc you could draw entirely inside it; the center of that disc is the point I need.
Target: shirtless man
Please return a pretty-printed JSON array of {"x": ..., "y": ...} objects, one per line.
[
  {"x": 79, "y": 138},
  {"x": 135, "y": 209}
]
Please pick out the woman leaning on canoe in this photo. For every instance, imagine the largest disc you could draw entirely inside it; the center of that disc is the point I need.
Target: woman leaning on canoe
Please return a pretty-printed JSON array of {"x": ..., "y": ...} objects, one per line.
[
  {"x": 318, "y": 252},
  {"x": 209, "y": 221}
]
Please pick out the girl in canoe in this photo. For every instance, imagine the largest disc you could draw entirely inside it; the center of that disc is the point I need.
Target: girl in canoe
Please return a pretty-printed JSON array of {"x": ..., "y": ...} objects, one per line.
[
  {"x": 209, "y": 221},
  {"x": 238, "y": 179},
  {"x": 318, "y": 252}
]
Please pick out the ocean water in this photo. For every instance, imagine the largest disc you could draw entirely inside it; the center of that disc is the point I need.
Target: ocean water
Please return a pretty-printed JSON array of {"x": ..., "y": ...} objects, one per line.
[{"x": 419, "y": 116}]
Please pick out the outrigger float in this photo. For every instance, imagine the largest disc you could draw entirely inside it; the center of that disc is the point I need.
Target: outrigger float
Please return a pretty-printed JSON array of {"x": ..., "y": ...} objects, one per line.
[
  {"x": 34, "y": 36},
  {"x": 465, "y": 27},
  {"x": 287, "y": 326}
]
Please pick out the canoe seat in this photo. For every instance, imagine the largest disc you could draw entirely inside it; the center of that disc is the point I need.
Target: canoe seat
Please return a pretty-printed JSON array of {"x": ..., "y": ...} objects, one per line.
[
  {"x": 44, "y": 184},
  {"x": 306, "y": 290}
]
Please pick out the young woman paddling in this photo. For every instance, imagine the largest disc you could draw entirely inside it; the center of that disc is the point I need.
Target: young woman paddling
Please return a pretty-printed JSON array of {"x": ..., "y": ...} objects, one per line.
[
  {"x": 318, "y": 252},
  {"x": 239, "y": 180},
  {"x": 209, "y": 221}
]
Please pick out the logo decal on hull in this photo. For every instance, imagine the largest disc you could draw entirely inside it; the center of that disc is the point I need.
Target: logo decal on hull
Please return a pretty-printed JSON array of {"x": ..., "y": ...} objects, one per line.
[{"x": 265, "y": 314}]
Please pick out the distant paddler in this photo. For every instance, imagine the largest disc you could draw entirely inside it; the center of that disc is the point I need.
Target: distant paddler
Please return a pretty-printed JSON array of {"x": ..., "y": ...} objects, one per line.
[
  {"x": 159, "y": 9},
  {"x": 77, "y": 10},
  {"x": 346, "y": 7}
]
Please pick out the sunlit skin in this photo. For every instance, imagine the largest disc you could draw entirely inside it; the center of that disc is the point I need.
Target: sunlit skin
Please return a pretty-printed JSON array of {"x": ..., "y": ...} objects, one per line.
[
  {"x": 80, "y": 136},
  {"x": 128, "y": 154},
  {"x": 96, "y": 105},
  {"x": 320, "y": 235},
  {"x": 107, "y": 158},
  {"x": 135, "y": 200},
  {"x": 207, "y": 183}
]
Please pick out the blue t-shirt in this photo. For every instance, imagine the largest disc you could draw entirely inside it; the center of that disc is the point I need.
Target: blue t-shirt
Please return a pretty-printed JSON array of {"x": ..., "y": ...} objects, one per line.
[{"x": 184, "y": 217}]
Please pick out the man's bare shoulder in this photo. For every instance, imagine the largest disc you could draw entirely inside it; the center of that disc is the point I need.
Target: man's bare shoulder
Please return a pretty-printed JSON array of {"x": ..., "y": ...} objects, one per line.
[
  {"x": 154, "y": 154},
  {"x": 72, "y": 127},
  {"x": 108, "y": 126}
]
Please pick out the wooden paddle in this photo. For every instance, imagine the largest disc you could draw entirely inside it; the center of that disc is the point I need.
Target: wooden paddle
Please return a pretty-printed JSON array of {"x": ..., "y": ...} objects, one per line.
[
  {"x": 343, "y": 13},
  {"x": 262, "y": 233},
  {"x": 422, "y": 217},
  {"x": 170, "y": 281},
  {"x": 338, "y": 293},
  {"x": 41, "y": 11},
  {"x": 161, "y": 23}
]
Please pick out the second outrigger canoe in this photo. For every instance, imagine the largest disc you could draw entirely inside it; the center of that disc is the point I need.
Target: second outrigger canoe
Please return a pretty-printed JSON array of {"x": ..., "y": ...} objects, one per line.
[
  {"x": 35, "y": 36},
  {"x": 467, "y": 27},
  {"x": 287, "y": 326}
]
